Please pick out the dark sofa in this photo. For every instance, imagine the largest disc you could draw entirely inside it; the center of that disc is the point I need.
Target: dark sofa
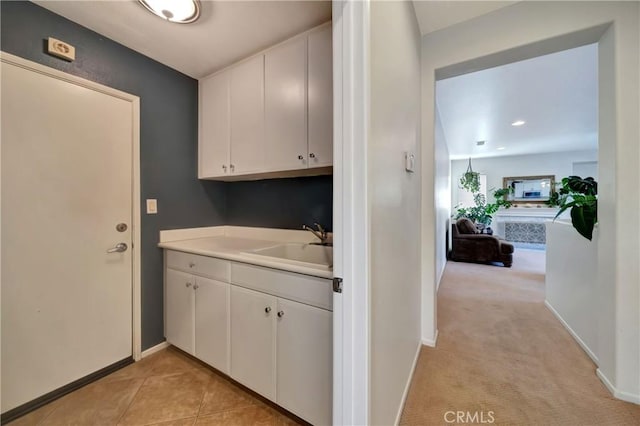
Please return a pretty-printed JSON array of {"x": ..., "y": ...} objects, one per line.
[{"x": 470, "y": 246}]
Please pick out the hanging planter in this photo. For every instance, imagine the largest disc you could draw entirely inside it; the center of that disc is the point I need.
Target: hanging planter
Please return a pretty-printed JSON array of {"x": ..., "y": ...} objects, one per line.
[{"x": 470, "y": 180}]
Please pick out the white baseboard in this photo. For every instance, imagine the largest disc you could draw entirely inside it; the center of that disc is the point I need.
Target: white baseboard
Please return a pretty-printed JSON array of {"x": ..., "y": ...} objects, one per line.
[
  {"x": 408, "y": 385},
  {"x": 152, "y": 350},
  {"x": 577, "y": 338},
  {"x": 429, "y": 342},
  {"x": 625, "y": 396}
]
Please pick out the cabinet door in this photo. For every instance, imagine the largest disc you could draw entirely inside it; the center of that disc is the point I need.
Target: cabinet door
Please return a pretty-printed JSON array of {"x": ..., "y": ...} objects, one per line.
[
  {"x": 320, "y": 98},
  {"x": 213, "y": 153},
  {"x": 304, "y": 361},
  {"x": 212, "y": 323},
  {"x": 247, "y": 116},
  {"x": 253, "y": 340},
  {"x": 179, "y": 304},
  {"x": 285, "y": 106}
]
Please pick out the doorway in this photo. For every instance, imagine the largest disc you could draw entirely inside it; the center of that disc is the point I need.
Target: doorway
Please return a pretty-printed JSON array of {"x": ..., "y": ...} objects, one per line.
[{"x": 70, "y": 232}]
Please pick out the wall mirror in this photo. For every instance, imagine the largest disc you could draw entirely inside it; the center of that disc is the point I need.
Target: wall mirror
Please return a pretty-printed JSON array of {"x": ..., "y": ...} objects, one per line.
[{"x": 529, "y": 189}]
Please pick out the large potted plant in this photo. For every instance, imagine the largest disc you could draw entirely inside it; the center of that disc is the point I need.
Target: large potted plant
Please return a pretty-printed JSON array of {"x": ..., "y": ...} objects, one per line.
[
  {"x": 482, "y": 212},
  {"x": 581, "y": 196}
]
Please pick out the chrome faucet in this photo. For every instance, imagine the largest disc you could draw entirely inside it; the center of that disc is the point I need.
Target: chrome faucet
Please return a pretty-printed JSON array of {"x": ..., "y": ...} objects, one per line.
[{"x": 319, "y": 232}]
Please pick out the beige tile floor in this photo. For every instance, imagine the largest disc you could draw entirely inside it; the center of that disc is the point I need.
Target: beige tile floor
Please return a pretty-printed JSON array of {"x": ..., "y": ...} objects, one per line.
[{"x": 167, "y": 388}]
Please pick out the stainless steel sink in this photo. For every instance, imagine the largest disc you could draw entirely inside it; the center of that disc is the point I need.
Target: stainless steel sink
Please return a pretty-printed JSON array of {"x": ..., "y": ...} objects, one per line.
[{"x": 310, "y": 254}]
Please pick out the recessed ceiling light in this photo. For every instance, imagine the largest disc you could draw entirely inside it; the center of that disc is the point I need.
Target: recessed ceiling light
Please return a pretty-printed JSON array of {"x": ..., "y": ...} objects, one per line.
[
  {"x": 500, "y": 148},
  {"x": 518, "y": 123},
  {"x": 178, "y": 11},
  {"x": 480, "y": 143}
]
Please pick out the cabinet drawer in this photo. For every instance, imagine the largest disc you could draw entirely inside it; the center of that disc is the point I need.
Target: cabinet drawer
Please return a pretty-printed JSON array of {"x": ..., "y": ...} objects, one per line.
[
  {"x": 202, "y": 265},
  {"x": 289, "y": 285}
]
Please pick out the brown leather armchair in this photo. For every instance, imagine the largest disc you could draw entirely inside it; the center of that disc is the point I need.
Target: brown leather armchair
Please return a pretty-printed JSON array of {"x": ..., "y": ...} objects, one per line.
[{"x": 470, "y": 246}]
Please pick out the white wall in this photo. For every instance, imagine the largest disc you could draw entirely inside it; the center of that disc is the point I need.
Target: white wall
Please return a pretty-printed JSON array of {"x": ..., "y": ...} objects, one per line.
[
  {"x": 394, "y": 203},
  {"x": 443, "y": 198},
  {"x": 559, "y": 164},
  {"x": 525, "y": 30},
  {"x": 571, "y": 282}
]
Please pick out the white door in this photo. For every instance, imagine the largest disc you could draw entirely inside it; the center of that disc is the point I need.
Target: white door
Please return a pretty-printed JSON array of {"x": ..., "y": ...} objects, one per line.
[
  {"x": 214, "y": 126},
  {"x": 67, "y": 165},
  {"x": 179, "y": 309},
  {"x": 247, "y": 116},
  {"x": 253, "y": 340},
  {"x": 320, "y": 98},
  {"x": 285, "y": 70},
  {"x": 304, "y": 361},
  {"x": 212, "y": 323},
  {"x": 350, "y": 205}
]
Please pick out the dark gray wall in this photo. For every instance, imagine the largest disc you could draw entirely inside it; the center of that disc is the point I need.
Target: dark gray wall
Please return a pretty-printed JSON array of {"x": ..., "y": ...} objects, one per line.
[
  {"x": 168, "y": 147},
  {"x": 281, "y": 203},
  {"x": 168, "y": 130}
]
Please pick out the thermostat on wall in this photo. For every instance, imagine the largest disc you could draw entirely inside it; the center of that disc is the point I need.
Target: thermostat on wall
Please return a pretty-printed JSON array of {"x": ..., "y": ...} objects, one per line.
[{"x": 61, "y": 49}]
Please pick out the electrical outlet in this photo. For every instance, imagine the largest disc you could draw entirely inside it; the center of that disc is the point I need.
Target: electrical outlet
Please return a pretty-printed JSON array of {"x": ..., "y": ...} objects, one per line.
[{"x": 152, "y": 206}]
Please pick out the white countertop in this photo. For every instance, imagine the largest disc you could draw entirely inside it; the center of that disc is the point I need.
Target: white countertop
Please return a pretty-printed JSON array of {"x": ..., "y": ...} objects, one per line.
[{"x": 225, "y": 245}]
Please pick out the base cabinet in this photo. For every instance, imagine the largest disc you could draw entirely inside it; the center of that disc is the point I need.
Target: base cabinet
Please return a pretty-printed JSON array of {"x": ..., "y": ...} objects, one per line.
[
  {"x": 279, "y": 348},
  {"x": 304, "y": 354},
  {"x": 197, "y": 317},
  {"x": 212, "y": 322},
  {"x": 252, "y": 340},
  {"x": 179, "y": 306}
]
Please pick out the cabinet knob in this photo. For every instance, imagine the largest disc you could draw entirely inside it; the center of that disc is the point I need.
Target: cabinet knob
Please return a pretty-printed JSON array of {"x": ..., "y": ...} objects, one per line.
[
  {"x": 187, "y": 285},
  {"x": 312, "y": 155},
  {"x": 300, "y": 157},
  {"x": 224, "y": 167},
  {"x": 267, "y": 309},
  {"x": 196, "y": 286},
  {"x": 280, "y": 314},
  {"x": 232, "y": 167},
  {"x": 191, "y": 264}
]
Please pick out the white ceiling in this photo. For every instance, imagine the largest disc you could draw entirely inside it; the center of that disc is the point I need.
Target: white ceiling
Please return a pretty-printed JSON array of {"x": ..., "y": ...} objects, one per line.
[
  {"x": 435, "y": 15},
  {"x": 557, "y": 96},
  {"x": 226, "y": 32}
]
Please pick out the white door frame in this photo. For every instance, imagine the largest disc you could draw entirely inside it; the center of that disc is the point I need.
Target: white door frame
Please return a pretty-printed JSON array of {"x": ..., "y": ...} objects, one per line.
[
  {"x": 351, "y": 213},
  {"x": 135, "y": 231}
]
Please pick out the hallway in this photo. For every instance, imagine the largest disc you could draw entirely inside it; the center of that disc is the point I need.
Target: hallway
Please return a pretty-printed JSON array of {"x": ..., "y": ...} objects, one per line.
[{"x": 503, "y": 355}]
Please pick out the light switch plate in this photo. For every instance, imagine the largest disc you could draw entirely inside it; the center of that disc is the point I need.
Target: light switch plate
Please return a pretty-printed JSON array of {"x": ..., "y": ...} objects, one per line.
[
  {"x": 409, "y": 162},
  {"x": 152, "y": 206}
]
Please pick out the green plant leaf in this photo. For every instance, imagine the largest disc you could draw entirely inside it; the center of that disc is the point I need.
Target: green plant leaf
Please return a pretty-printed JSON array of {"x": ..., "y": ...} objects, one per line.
[{"x": 583, "y": 219}]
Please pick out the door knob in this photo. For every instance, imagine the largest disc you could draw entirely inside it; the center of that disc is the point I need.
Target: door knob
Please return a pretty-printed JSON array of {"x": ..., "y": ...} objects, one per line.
[{"x": 119, "y": 248}]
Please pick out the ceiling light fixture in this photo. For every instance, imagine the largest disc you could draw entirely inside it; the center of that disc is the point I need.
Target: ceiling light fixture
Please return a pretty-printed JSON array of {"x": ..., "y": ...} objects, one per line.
[
  {"x": 518, "y": 123},
  {"x": 178, "y": 11},
  {"x": 480, "y": 143},
  {"x": 500, "y": 148}
]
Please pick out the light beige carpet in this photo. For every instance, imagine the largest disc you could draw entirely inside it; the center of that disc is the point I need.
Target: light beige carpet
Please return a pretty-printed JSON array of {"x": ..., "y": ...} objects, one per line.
[{"x": 500, "y": 350}]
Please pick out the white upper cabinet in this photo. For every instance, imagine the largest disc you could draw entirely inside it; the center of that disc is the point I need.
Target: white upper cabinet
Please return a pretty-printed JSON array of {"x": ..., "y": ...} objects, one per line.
[
  {"x": 320, "y": 97},
  {"x": 247, "y": 116},
  {"x": 270, "y": 113},
  {"x": 214, "y": 126},
  {"x": 285, "y": 74}
]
